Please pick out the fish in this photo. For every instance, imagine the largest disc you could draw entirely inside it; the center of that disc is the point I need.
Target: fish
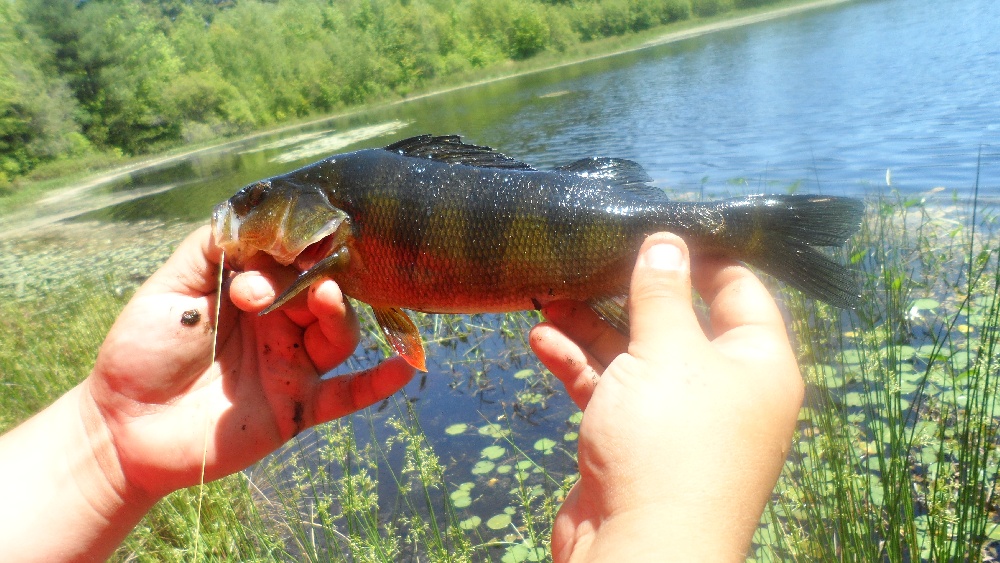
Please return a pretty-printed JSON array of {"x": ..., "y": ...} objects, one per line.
[{"x": 438, "y": 225}]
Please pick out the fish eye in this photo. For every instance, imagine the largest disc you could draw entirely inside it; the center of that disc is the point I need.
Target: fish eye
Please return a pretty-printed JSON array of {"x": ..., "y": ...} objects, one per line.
[{"x": 249, "y": 197}]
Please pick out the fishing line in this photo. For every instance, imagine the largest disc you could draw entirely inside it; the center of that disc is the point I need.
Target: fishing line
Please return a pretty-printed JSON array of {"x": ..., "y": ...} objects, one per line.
[{"x": 204, "y": 448}]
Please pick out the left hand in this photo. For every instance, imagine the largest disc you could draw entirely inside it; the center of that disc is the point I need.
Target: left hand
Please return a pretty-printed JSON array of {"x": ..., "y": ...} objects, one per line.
[{"x": 166, "y": 406}]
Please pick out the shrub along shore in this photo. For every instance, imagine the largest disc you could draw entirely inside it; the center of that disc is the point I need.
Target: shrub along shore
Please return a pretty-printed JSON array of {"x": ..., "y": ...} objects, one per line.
[{"x": 87, "y": 85}]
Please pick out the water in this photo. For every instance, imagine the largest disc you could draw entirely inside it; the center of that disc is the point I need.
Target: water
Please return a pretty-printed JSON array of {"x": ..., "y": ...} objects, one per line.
[
  {"x": 828, "y": 100},
  {"x": 825, "y": 101}
]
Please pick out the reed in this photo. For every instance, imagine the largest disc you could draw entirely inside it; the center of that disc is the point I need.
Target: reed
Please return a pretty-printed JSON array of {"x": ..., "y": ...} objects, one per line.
[{"x": 895, "y": 457}]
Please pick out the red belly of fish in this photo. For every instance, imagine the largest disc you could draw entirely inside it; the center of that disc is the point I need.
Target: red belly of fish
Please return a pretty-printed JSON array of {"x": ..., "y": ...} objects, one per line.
[{"x": 379, "y": 275}]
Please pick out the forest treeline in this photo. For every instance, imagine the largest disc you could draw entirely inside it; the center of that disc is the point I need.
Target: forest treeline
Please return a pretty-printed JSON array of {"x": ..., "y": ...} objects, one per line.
[{"x": 84, "y": 77}]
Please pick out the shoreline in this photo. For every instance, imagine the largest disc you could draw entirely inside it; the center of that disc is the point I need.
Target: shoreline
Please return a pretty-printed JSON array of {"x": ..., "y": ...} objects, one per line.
[{"x": 34, "y": 215}]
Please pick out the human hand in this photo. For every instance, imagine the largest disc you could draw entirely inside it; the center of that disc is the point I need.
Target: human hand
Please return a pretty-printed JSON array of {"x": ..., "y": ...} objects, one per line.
[
  {"x": 162, "y": 401},
  {"x": 684, "y": 433}
]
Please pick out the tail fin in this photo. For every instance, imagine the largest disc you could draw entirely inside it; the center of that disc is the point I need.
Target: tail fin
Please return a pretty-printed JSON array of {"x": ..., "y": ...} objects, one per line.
[{"x": 784, "y": 231}]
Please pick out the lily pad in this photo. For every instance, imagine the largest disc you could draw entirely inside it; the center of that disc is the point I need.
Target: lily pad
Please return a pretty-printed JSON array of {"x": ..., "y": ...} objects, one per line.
[
  {"x": 524, "y": 374},
  {"x": 460, "y": 498},
  {"x": 483, "y": 467},
  {"x": 456, "y": 429},
  {"x": 493, "y": 452},
  {"x": 924, "y": 305},
  {"x": 576, "y": 418},
  {"x": 503, "y": 469},
  {"x": 853, "y": 399},
  {"x": 493, "y": 431},
  {"x": 518, "y": 553},
  {"x": 470, "y": 523},
  {"x": 498, "y": 522},
  {"x": 852, "y": 356},
  {"x": 545, "y": 445},
  {"x": 570, "y": 436},
  {"x": 524, "y": 464}
]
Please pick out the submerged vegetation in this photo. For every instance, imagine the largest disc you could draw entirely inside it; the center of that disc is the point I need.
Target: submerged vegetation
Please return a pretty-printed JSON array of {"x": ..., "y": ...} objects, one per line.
[
  {"x": 101, "y": 79},
  {"x": 895, "y": 458}
]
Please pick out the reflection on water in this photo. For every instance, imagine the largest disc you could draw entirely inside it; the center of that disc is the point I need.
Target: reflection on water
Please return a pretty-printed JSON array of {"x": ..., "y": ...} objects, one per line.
[{"x": 331, "y": 143}]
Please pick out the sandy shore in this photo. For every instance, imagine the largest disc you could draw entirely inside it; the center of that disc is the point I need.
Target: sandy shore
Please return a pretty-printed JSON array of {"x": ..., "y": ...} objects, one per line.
[{"x": 73, "y": 200}]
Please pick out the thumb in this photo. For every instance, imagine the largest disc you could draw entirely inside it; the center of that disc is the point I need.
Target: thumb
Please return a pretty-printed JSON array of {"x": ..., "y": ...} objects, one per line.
[
  {"x": 193, "y": 269},
  {"x": 661, "y": 315}
]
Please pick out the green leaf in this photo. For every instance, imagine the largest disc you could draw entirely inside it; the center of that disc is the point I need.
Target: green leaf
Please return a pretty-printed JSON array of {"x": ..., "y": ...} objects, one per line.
[
  {"x": 516, "y": 553},
  {"x": 545, "y": 445},
  {"x": 483, "y": 467},
  {"x": 924, "y": 304},
  {"x": 498, "y": 522},
  {"x": 853, "y": 399},
  {"x": 570, "y": 436},
  {"x": 524, "y": 374},
  {"x": 493, "y": 452},
  {"x": 493, "y": 431},
  {"x": 576, "y": 418},
  {"x": 457, "y": 428},
  {"x": 504, "y": 469},
  {"x": 851, "y": 356},
  {"x": 470, "y": 523}
]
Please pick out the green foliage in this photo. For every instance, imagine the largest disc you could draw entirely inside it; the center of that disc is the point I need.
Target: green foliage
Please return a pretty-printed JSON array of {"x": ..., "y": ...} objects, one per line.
[
  {"x": 37, "y": 110},
  {"x": 127, "y": 77}
]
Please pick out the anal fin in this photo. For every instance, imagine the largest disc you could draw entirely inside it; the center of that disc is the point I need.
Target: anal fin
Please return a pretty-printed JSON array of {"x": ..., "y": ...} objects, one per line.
[
  {"x": 402, "y": 335},
  {"x": 612, "y": 311}
]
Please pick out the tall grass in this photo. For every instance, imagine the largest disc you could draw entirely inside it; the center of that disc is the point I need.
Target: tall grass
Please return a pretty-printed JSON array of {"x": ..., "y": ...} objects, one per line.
[{"x": 895, "y": 457}]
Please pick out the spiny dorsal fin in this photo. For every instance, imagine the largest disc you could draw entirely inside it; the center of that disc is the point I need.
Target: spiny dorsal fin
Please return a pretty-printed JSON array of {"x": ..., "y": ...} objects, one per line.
[
  {"x": 620, "y": 172},
  {"x": 451, "y": 149}
]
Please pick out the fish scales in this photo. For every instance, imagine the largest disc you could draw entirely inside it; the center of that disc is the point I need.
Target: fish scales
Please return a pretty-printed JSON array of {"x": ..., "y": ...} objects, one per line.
[
  {"x": 438, "y": 225},
  {"x": 464, "y": 237}
]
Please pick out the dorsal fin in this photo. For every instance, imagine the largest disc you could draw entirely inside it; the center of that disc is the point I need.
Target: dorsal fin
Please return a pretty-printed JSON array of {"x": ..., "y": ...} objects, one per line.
[
  {"x": 451, "y": 149},
  {"x": 619, "y": 172}
]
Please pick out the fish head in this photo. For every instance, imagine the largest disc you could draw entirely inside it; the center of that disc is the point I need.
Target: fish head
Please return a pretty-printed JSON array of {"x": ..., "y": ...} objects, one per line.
[{"x": 276, "y": 216}]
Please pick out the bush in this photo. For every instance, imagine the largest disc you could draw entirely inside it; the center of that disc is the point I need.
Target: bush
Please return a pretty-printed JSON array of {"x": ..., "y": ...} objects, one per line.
[{"x": 705, "y": 8}]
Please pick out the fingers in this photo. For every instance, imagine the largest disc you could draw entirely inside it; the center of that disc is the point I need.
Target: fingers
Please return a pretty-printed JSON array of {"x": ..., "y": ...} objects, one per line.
[
  {"x": 335, "y": 335},
  {"x": 737, "y": 298},
  {"x": 660, "y": 311},
  {"x": 343, "y": 395},
  {"x": 578, "y": 370},
  {"x": 254, "y": 289},
  {"x": 582, "y": 325}
]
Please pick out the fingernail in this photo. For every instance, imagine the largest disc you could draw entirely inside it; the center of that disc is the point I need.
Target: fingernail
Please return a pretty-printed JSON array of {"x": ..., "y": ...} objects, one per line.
[{"x": 663, "y": 256}]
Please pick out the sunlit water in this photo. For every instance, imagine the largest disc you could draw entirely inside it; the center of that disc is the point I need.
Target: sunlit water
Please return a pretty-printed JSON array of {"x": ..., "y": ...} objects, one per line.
[{"x": 839, "y": 100}]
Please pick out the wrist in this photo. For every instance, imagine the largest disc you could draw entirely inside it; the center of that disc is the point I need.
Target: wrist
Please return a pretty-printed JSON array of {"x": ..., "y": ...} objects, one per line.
[
  {"x": 62, "y": 474},
  {"x": 105, "y": 480}
]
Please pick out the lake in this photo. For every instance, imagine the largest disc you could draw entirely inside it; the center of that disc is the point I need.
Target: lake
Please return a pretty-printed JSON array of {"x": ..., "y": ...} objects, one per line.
[{"x": 838, "y": 100}]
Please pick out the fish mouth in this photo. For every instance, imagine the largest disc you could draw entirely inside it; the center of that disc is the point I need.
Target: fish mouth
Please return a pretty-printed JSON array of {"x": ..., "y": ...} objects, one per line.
[
  {"x": 300, "y": 233},
  {"x": 226, "y": 232}
]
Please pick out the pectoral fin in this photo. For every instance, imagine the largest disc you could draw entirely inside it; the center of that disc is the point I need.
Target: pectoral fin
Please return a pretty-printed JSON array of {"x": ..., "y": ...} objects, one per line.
[
  {"x": 335, "y": 262},
  {"x": 612, "y": 310},
  {"x": 402, "y": 335}
]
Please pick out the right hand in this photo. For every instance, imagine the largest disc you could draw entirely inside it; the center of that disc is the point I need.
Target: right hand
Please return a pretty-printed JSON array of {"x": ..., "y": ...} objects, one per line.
[{"x": 684, "y": 432}]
